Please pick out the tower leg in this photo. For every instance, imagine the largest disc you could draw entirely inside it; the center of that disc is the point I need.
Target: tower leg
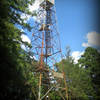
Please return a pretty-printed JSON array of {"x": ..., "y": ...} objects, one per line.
[
  {"x": 65, "y": 86},
  {"x": 39, "y": 93}
]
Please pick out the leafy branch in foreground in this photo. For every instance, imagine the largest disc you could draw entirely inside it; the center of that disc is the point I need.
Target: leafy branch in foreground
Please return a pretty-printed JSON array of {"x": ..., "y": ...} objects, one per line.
[{"x": 15, "y": 63}]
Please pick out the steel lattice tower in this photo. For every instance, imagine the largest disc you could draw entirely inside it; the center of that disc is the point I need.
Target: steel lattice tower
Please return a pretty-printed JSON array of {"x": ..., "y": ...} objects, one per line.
[{"x": 46, "y": 44}]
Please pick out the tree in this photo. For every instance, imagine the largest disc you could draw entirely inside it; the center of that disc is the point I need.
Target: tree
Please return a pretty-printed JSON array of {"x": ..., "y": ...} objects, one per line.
[
  {"x": 15, "y": 63},
  {"x": 77, "y": 78},
  {"x": 91, "y": 61}
]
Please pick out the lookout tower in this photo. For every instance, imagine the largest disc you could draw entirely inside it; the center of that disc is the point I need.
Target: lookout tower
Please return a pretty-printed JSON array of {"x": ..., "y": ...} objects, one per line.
[{"x": 46, "y": 47}]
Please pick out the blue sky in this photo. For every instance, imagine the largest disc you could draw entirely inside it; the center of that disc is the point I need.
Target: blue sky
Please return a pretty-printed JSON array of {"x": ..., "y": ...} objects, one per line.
[
  {"x": 76, "y": 18},
  {"x": 78, "y": 24}
]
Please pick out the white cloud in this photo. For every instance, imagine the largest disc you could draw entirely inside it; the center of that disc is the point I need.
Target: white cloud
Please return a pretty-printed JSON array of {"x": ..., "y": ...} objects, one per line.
[
  {"x": 23, "y": 46},
  {"x": 21, "y": 30},
  {"x": 34, "y": 6},
  {"x": 26, "y": 17},
  {"x": 93, "y": 39},
  {"x": 25, "y": 38},
  {"x": 33, "y": 57},
  {"x": 76, "y": 55},
  {"x": 86, "y": 44}
]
